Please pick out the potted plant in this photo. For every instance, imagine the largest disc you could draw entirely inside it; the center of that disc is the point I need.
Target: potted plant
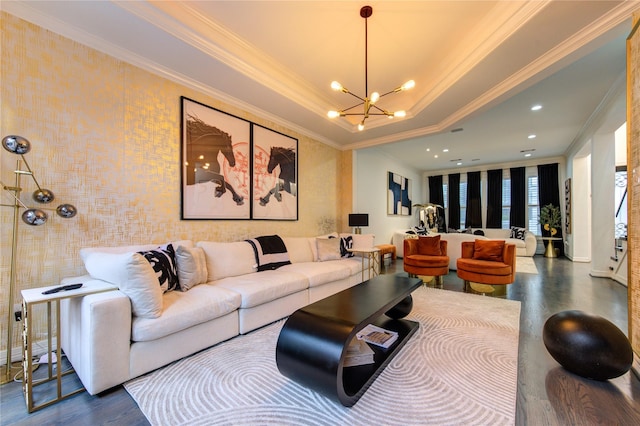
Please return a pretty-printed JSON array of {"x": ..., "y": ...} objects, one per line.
[{"x": 550, "y": 218}]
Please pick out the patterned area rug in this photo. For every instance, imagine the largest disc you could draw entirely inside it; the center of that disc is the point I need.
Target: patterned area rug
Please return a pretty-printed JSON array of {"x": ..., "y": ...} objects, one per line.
[{"x": 459, "y": 368}]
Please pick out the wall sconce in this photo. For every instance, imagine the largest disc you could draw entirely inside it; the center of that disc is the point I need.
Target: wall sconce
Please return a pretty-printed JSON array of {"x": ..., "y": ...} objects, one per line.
[
  {"x": 31, "y": 216},
  {"x": 357, "y": 220}
]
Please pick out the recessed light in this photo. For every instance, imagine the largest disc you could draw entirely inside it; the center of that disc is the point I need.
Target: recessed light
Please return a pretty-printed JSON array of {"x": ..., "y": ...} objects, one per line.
[
  {"x": 428, "y": 149},
  {"x": 536, "y": 108},
  {"x": 435, "y": 156},
  {"x": 445, "y": 150},
  {"x": 531, "y": 136},
  {"x": 459, "y": 163},
  {"x": 528, "y": 154}
]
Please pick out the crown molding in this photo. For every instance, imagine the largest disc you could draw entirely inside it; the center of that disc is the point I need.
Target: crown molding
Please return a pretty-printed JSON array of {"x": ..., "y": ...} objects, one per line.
[{"x": 30, "y": 14}]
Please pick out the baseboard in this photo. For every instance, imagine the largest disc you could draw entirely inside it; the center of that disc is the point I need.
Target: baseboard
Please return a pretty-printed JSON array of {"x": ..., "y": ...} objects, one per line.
[{"x": 39, "y": 348}]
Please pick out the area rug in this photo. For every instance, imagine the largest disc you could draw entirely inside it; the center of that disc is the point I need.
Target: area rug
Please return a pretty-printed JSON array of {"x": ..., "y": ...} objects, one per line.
[
  {"x": 525, "y": 265},
  {"x": 459, "y": 368}
]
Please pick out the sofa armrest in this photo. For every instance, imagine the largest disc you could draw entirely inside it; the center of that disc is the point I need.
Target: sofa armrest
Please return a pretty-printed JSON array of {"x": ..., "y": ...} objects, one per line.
[
  {"x": 531, "y": 243},
  {"x": 467, "y": 249},
  {"x": 509, "y": 255},
  {"x": 96, "y": 337}
]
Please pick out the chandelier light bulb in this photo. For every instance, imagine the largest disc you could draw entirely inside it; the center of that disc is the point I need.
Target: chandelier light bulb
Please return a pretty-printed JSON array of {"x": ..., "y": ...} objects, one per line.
[
  {"x": 333, "y": 114},
  {"x": 337, "y": 86},
  {"x": 361, "y": 126},
  {"x": 400, "y": 113},
  {"x": 408, "y": 85},
  {"x": 374, "y": 97}
]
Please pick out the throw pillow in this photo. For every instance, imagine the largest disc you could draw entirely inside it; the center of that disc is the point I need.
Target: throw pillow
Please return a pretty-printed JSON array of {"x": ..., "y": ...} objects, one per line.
[
  {"x": 488, "y": 250},
  {"x": 429, "y": 246},
  {"x": 346, "y": 244},
  {"x": 192, "y": 267},
  {"x": 133, "y": 275},
  {"x": 163, "y": 261},
  {"x": 328, "y": 249},
  {"x": 518, "y": 233},
  {"x": 478, "y": 232}
]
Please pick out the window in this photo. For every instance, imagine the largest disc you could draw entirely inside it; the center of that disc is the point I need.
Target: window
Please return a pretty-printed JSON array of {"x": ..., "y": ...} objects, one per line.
[
  {"x": 533, "y": 209},
  {"x": 506, "y": 199},
  {"x": 463, "y": 202}
]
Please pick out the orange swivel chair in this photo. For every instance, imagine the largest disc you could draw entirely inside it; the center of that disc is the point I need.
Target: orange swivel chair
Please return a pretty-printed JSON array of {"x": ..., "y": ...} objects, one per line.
[
  {"x": 426, "y": 256},
  {"x": 490, "y": 262}
]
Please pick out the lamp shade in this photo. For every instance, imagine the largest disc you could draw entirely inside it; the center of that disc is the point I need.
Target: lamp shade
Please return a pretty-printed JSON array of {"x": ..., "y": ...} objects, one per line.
[{"x": 358, "y": 219}]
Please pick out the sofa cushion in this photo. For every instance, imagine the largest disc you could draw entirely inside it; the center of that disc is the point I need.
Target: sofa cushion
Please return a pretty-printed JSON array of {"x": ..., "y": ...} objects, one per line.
[
  {"x": 163, "y": 261},
  {"x": 328, "y": 249},
  {"x": 319, "y": 273},
  {"x": 228, "y": 259},
  {"x": 299, "y": 249},
  {"x": 133, "y": 275},
  {"x": 483, "y": 267},
  {"x": 429, "y": 246},
  {"x": 130, "y": 249},
  {"x": 488, "y": 250},
  {"x": 183, "y": 310},
  {"x": 362, "y": 241},
  {"x": 262, "y": 287},
  {"x": 192, "y": 267}
]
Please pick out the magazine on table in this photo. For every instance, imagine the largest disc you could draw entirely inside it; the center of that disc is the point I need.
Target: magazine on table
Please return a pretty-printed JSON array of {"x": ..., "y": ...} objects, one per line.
[
  {"x": 358, "y": 353},
  {"x": 377, "y": 336}
]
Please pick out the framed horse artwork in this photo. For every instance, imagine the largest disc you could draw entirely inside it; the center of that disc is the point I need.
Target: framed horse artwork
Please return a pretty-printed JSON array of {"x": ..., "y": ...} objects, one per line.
[
  {"x": 214, "y": 163},
  {"x": 275, "y": 175}
]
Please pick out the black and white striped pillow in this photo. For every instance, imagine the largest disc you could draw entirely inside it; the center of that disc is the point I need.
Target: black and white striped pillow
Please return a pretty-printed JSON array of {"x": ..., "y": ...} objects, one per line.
[{"x": 163, "y": 261}]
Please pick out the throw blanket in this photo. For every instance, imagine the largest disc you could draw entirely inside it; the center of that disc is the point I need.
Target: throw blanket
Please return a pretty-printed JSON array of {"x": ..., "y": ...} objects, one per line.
[{"x": 270, "y": 251}]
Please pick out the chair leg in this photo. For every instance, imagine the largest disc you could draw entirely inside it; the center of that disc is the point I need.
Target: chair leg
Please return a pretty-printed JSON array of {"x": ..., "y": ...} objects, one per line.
[{"x": 467, "y": 286}]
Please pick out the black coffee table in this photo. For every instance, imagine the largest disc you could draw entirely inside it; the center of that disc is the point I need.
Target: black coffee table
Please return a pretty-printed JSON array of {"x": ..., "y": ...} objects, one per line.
[{"x": 311, "y": 346}]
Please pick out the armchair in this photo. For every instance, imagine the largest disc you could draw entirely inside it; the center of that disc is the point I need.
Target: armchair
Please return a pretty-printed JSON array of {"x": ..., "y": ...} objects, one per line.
[
  {"x": 426, "y": 256},
  {"x": 490, "y": 262}
]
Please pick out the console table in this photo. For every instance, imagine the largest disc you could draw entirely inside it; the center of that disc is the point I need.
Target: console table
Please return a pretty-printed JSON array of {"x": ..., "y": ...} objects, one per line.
[{"x": 312, "y": 344}]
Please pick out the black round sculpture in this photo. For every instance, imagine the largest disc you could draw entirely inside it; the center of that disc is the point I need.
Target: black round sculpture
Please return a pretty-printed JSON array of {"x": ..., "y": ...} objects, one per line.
[
  {"x": 402, "y": 309},
  {"x": 587, "y": 345}
]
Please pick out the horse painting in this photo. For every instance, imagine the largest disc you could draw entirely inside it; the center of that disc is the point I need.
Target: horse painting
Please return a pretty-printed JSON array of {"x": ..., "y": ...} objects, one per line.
[
  {"x": 286, "y": 159},
  {"x": 204, "y": 142}
]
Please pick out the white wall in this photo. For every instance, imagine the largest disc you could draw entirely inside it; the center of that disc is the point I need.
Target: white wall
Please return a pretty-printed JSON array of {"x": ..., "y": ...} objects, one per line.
[
  {"x": 370, "y": 168},
  {"x": 596, "y": 145}
]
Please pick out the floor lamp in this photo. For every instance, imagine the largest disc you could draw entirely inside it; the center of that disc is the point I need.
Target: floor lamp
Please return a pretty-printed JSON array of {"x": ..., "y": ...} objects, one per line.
[{"x": 31, "y": 216}]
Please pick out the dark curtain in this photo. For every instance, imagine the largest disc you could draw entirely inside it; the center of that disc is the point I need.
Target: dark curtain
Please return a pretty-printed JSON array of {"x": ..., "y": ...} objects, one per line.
[
  {"x": 436, "y": 196},
  {"x": 517, "y": 215},
  {"x": 549, "y": 193},
  {"x": 473, "y": 217},
  {"x": 454, "y": 200},
  {"x": 494, "y": 198}
]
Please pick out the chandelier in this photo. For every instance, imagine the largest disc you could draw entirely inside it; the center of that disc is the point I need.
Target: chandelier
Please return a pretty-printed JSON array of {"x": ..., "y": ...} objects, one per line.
[{"x": 369, "y": 101}]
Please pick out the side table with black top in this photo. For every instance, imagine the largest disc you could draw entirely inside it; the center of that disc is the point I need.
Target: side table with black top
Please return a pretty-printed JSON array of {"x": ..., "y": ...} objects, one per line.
[
  {"x": 30, "y": 298},
  {"x": 312, "y": 344}
]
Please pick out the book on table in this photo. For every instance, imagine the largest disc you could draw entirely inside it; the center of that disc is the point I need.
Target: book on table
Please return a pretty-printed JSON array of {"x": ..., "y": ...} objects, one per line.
[
  {"x": 358, "y": 353},
  {"x": 377, "y": 336}
]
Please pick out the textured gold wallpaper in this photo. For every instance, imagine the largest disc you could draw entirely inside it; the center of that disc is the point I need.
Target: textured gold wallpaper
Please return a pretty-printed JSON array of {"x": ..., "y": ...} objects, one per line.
[
  {"x": 105, "y": 137},
  {"x": 633, "y": 160}
]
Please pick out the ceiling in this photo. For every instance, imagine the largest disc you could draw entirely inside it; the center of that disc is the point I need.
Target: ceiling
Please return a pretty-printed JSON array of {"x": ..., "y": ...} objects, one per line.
[{"x": 478, "y": 65}]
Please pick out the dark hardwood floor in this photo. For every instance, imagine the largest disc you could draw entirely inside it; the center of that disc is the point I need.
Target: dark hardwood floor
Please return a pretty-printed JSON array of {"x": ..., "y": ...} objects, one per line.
[{"x": 547, "y": 394}]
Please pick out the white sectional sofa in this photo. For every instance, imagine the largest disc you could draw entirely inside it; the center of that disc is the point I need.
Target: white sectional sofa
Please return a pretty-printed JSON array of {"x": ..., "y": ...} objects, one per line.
[
  {"x": 525, "y": 246},
  {"x": 114, "y": 336}
]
